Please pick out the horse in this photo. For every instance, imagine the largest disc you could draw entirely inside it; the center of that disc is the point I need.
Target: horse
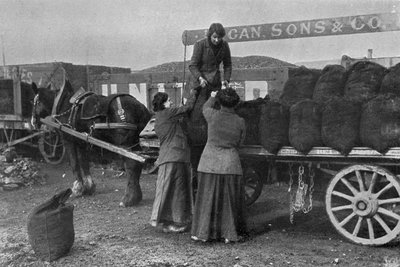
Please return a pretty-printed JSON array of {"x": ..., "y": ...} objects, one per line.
[{"x": 123, "y": 116}]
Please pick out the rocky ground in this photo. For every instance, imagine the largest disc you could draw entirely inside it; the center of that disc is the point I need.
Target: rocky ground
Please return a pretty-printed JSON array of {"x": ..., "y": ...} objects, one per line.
[{"x": 108, "y": 235}]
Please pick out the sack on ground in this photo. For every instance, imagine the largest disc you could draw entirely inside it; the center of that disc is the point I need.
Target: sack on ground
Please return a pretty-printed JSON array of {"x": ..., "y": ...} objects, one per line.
[
  {"x": 250, "y": 111},
  {"x": 305, "y": 126},
  {"x": 364, "y": 80},
  {"x": 380, "y": 123},
  {"x": 340, "y": 124},
  {"x": 330, "y": 84},
  {"x": 274, "y": 126},
  {"x": 299, "y": 86},
  {"x": 50, "y": 227}
]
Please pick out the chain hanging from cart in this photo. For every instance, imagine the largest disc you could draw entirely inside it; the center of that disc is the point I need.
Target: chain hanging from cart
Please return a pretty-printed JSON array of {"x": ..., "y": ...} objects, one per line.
[{"x": 302, "y": 198}]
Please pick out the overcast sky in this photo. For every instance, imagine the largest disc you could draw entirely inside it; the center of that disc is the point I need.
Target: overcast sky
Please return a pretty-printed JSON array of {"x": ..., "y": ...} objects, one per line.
[{"x": 144, "y": 33}]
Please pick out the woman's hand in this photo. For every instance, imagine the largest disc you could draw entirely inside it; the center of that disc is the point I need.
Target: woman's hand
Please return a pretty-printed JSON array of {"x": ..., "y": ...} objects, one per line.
[
  {"x": 214, "y": 93},
  {"x": 203, "y": 82},
  {"x": 224, "y": 84}
]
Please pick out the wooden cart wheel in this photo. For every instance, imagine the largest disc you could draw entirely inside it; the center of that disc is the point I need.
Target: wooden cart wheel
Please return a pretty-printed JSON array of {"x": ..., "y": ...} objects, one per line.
[
  {"x": 363, "y": 204},
  {"x": 51, "y": 147},
  {"x": 253, "y": 183}
]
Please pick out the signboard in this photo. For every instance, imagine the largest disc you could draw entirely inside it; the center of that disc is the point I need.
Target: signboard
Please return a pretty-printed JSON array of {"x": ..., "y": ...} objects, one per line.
[{"x": 307, "y": 28}]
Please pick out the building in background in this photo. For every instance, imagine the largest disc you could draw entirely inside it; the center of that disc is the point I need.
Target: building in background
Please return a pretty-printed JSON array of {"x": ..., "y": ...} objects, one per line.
[
  {"x": 262, "y": 74},
  {"x": 346, "y": 61}
]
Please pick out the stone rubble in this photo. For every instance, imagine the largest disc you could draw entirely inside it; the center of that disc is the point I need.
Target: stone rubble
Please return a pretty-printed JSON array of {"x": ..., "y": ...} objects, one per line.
[{"x": 19, "y": 172}]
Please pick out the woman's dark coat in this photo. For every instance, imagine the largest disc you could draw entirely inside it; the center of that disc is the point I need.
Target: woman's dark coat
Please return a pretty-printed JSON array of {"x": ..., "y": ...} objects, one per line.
[
  {"x": 205, "y": 63},
  {"x": 169, "y": 127}
]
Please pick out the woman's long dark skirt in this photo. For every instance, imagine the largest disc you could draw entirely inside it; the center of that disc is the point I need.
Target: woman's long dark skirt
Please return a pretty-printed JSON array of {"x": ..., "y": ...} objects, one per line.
[
  {"x": 172, "y": 202},
  {"x": 219, "y": 207}
]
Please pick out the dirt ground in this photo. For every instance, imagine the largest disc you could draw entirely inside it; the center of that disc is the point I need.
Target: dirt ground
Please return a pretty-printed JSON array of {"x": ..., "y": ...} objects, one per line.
[{"x": 108, "y": 235}]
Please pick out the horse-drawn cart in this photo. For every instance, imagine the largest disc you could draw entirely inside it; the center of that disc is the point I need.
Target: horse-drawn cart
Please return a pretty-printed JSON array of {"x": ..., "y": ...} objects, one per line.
[
  {"x": 16, "y": 100},
  {"x": 362, "y": 197}
]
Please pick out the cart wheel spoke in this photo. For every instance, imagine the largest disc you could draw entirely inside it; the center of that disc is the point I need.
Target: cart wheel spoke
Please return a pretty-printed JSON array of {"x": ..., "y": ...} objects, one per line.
[
  {"x": 360, "y": 181},
  {"x": 51, "y": 147},
  {"x": 389, "y": 201},
  {"x": 339, "y": 194},
  {"x": 370, "y": 229},
  {"x": 382, "y": 223},
  {"x": 383, "y": 190},
  {"x": 347, "y": 219},
  {"x": 358, "y": 226},
  {"x": 389, "y": 213},
  {"x": 349, "y": 186},
  {"x": 373, "y": 181},
  {"x": 252, "y": 186},
  {"x": 344, "y": 207}
]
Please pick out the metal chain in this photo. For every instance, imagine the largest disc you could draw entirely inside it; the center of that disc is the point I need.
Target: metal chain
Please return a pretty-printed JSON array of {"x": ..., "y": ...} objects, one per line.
[
  {"x": 301, "y": 191},
  {"x": 310, "y": 190},
  {"x": 62, "y": 114},
  {"x": 290, "y": 176},
  {"x": 291, "y": 211}
]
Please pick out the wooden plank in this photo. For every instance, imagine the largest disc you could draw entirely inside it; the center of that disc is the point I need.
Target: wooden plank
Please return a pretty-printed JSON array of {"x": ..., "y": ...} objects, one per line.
[
  {"x": 20, "y": 140},
  {"x": 323, "y": 152},
  {"x": 85, "y": 137},
  {"x": 11, "y": 117}
]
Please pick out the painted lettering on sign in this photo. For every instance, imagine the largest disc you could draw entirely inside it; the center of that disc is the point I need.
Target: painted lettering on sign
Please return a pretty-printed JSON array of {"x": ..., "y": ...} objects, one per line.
[{"x": 298, "y": 29}]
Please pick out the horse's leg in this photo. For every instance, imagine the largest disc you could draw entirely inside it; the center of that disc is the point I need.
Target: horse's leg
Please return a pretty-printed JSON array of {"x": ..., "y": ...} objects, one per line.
[
  {"x": 77, "y": 188},
  {"x": 133, "y": 192},
  {"x": 89, "y": 187}
]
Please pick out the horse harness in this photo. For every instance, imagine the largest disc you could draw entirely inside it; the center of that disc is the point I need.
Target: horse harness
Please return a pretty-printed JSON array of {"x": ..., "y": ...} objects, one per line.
[{"x": 78, "y": 101}]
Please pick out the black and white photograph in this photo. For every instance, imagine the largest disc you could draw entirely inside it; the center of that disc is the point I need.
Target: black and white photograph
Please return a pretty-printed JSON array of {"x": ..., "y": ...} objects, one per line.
[{"x": 187, "y": 133}]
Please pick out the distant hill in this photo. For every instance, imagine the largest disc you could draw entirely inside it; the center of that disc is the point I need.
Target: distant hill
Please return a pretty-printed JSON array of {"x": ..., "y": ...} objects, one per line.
[{"x": 249, "y": 62}]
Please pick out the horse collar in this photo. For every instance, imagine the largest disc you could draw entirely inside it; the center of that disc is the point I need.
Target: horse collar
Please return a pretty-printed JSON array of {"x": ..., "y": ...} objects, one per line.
[{"x": 76, "y": 99}]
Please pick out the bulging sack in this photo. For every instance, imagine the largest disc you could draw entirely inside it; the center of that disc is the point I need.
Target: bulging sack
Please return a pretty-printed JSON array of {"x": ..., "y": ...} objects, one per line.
[
  {"x": 299, "y": 86},
  {"x": 50, "y": 227},
  {"x": 274, "y": 126},
  {"x": 364, "y": 80},
  {"x": 391, "y": 81},
  {"x": 250, "y": 111},
  {"x": 305, "y": 126},
  {"x": 330, "y": 84},
  {"x": 341, "y": 124},
  {"x": 380, "y": 123}
]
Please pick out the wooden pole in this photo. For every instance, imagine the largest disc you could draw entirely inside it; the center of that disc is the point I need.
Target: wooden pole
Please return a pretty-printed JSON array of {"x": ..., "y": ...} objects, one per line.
[
  {"x": 184, "y": 71},
  {"x": 85, "y": 137}
]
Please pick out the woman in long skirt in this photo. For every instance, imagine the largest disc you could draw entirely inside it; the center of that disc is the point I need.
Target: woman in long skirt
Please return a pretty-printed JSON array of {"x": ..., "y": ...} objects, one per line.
[
  {"x": 219, "y": 205},
  {"x": 172, "y": 202}
]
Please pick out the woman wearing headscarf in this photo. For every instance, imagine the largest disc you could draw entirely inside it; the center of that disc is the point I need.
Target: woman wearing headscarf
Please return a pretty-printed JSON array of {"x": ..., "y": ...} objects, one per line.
[
  {"x": 219, "y": 206},
  {"x": 172, "y": 203}
]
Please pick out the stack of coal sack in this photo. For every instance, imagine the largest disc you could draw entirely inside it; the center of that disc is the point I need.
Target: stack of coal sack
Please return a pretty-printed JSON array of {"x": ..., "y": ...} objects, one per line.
[{"x": 334, "y": 107}]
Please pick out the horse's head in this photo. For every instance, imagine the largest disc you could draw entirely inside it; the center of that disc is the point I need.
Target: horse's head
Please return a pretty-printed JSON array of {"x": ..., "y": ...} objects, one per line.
[
  {"x": 42, "y": 104},
  {"x": 52, "y": 102}
]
